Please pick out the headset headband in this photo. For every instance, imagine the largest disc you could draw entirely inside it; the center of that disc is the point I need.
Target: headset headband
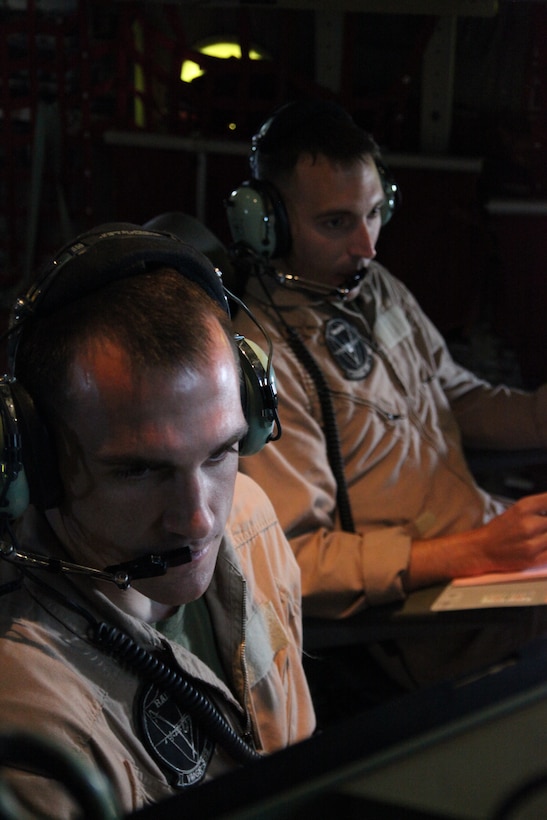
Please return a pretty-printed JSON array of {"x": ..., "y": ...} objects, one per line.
[
  {"x": 107, "y": 254},
  {"x": 110, "y": 253}
]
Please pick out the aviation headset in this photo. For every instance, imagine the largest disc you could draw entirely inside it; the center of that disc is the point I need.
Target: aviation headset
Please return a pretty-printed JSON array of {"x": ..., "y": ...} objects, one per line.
[
  {"x": 256, "y": 214},
  {"x": 108, "y": 253}
]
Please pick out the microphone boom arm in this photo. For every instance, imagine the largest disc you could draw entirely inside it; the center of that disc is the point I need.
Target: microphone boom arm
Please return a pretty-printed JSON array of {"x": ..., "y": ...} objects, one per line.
[{"x": 120, "y": 574}]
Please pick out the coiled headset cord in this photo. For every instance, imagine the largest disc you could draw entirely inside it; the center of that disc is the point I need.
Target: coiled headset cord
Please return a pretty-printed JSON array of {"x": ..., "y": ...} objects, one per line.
[
  {"x": 332, "y": 436},
  {"x": 135, "y": 657},
  {"x": 334, "y": 451},
  {"x": 138, "y": 659}
]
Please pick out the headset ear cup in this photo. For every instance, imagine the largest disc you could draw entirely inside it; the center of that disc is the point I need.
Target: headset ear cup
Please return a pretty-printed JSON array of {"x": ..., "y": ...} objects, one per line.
[
  {"x": 392, "y": 193},
  {"x": 38, "y": 452},
  {"x": 14, "y": 490},
  {"x": 257, "y": 218},
  {"x": 258, "y": 396}
]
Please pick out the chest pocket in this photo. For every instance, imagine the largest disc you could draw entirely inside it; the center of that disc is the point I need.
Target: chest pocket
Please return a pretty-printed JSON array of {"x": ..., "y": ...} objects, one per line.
[
  {"x": 266, "y": 637},
  {"x": 405, "y": 353}
]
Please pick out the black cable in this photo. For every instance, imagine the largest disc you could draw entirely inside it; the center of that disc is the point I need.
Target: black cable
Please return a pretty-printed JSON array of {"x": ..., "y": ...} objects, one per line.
[
  {"x": 334, "y": 450},
  {"x": 330, "y": 424},
  {"x": 126, "y": 650},
  {"x": 86, "y": 785}
]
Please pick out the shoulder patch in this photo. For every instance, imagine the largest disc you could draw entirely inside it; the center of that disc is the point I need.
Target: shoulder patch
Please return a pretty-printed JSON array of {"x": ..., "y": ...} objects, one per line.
[
  {"x": 173, "y": 737},
  {"x": 349, "y": 349}
]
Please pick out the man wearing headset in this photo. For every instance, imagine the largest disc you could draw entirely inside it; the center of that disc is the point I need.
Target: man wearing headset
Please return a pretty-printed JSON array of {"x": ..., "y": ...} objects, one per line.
[
  {"x": 369, "y": 479},
  {"x": 160, "y": 556}
]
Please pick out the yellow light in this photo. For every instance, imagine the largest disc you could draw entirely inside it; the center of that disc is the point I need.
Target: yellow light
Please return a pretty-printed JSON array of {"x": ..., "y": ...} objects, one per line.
[
  {"x": 190, "y": 71},
  {"x": 221, "y": 48}
]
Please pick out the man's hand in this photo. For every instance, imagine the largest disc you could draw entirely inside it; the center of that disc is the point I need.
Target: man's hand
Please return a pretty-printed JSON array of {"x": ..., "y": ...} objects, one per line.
[{"x": 514, "y": 540}]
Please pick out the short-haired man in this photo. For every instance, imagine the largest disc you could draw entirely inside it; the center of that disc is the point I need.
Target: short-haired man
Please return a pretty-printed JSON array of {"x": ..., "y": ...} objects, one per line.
[
  {"x": 176, "y": 654},
  {"x": 370, "y": 480}
]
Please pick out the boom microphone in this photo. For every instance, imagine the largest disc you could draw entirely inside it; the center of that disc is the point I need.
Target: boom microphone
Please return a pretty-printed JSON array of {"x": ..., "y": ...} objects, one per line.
[
  {"x": 148, "y": 566},
  {"x": 299, "y": 283},
  {"x": 151, "y": 565}
]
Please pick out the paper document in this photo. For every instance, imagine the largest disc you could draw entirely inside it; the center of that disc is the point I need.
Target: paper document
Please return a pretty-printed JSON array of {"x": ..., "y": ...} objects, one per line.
[{"x": 525, "y": 588}]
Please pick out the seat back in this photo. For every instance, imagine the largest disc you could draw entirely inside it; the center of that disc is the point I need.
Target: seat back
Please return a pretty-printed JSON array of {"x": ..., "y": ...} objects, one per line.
[{"x": 193, "y": 231}]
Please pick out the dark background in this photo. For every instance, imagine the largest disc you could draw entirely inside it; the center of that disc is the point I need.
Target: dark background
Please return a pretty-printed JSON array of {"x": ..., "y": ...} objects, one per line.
[{"x": 470, "y": 237}]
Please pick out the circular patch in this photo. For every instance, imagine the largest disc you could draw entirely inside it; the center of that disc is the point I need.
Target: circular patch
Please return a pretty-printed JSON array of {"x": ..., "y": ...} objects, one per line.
[
  {"x": 351, "y": 352},
  {"x": 174, "y": 738}
]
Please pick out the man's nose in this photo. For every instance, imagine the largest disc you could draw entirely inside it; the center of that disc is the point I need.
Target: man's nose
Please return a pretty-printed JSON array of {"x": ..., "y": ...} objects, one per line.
[
  {"x": 187, "y": 512},
  {"x": 363, "y": 243}
]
